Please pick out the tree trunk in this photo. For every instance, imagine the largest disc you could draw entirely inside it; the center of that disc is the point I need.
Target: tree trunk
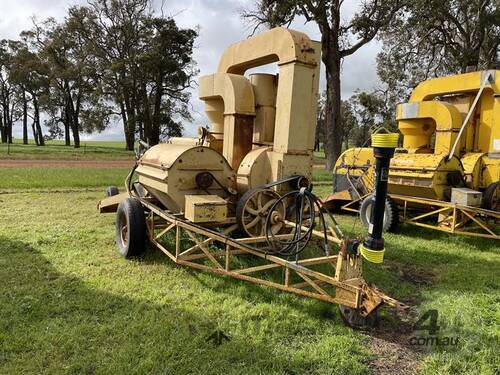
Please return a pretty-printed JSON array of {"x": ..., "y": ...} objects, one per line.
[
  {"x": 9, "y": 125},
  {"x": 75, "y": 128},
  {"x": 333, "y": 122},
  {"x": 65, "y": 121},
  {"x": 123, "y": 112},
  {"x": 25, "y": 119},
  {"x": 36, "y": 121},
  {"x": 76, "y": 133},
  {"x": 35, "y": 135},
  {"x": 67, "y": 136},
  {"x": 73, "y": 121},
  {"x": 130, "y": 133},
  {"x": 5, "y": 127},
  {"x": 129, "y": 125},
  {"x": 148, "y": 121},
  {"x": 2, "y": 129}
]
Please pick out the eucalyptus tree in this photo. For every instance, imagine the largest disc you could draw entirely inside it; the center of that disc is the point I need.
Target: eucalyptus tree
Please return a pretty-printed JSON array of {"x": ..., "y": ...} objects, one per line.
[
  {"x": 30, "y": 75},
  {"x": 73, "y": 89},
  {"x": 341, "y": 36},
  {"x": 167, "y": 70},
  {"x": 8, "y": 103},
  {"x": 438, "y": 37},
  {"x": 145, "y": 65}
]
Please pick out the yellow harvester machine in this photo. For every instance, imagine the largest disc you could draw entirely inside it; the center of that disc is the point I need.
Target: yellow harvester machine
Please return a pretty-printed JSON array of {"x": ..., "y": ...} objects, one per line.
[
  {"x": 446, "y": 175},
  {"x": 237, "y": 200}
]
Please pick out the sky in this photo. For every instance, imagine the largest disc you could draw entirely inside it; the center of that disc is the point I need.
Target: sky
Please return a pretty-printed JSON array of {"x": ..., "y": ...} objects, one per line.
[{"x": 219, "y": 26}]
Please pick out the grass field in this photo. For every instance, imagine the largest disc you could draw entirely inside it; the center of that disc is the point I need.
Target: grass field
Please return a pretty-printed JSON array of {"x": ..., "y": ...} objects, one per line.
[
  {"x": 57, "y": 150},
  {"x": 37, "y": 178},
  {"x": 69, "y": 304},
  {"x": 66, "y": 177}
]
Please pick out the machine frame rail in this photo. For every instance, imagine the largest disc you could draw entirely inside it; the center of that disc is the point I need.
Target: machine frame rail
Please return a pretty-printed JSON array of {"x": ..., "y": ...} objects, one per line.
[
  {"x": 349, "y": 288},
  {"x": 451, "y": 217}
]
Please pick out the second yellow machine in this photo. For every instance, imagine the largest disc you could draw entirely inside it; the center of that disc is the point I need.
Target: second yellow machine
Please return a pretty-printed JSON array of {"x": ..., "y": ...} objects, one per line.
[{"x": 446, "y": 175}]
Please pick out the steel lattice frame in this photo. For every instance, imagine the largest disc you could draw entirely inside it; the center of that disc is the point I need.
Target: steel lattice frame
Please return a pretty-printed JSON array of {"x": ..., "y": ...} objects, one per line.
[
  {"x": 344, "y": 286},
  {"x": 447, "y": 217}
]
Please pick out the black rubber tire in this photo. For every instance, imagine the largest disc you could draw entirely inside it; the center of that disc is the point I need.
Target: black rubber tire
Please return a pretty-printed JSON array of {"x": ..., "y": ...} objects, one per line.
[
  {"x": 354, "y": 319},
  {"x": 391, "y": 217},
  {"x": 132, "y": 242},
  {"x": 491, "y": 199},
  {"x": 112, "y": 190}
]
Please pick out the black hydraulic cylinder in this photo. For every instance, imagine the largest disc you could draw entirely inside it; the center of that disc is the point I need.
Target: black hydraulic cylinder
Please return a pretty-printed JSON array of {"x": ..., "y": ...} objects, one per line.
[{"x": 383, "y": 149}]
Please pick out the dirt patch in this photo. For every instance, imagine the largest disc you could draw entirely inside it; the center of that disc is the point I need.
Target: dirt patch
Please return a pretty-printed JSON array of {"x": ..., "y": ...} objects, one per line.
[
  {"x": 413, "y": 274},
  {"x": 390, "y": 343},
  {"x": 49, "y": 163},
  {"x": 391, "y": 340}
]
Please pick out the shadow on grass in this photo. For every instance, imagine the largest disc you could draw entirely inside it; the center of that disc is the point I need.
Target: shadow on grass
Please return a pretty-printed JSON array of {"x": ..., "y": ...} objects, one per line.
[
  {"x": 384, "y": 278},
  {"x": 53, "y": 322},
  {"x": 250, "y": 292}
]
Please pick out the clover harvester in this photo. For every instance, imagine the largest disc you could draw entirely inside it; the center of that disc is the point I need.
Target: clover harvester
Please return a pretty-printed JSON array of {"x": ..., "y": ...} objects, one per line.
[
  {"x": 237, "y": 200},
  {"x": 446, "y": 175}
]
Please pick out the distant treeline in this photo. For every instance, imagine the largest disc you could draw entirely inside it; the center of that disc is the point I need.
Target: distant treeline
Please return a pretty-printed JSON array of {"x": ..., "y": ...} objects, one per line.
[
  {"x": 119, "y": 59},
  {"x": 110, "y": 59}
]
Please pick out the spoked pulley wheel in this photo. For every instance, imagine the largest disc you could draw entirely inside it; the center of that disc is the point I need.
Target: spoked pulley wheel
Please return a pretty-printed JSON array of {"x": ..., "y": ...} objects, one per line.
[{"x": 253, "y": 208}]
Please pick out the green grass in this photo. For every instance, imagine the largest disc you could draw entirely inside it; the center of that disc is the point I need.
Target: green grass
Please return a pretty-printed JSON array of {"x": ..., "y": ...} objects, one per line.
[
  {"x": 57, "y": 150},
  {"x": 36, "y": 178},
  {"x": 70, "y": 304},
  {"x": 322, "y": 175}
]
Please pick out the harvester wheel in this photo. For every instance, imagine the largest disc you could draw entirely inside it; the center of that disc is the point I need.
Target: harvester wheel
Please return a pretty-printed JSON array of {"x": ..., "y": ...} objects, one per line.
[
  {"x": 112, "y": 190},
  {"x": 354, "y": 319},
  {"x": 130, "y": 228},
  {"x": 491, "y": 196},
  {"x": 391, "y": 216},
  {"x": 252, "y": 210}
]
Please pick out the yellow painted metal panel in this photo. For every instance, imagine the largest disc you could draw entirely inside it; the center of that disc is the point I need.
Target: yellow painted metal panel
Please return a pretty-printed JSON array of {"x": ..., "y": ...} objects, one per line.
[
  {"x": 205, "y": 208},
  {"x": 278, "y": 44},
  {"x": 462, "y": 83}
]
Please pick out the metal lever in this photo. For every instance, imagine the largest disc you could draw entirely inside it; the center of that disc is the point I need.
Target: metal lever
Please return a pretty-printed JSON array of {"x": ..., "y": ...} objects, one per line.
[{"x": 488, "y": 78}]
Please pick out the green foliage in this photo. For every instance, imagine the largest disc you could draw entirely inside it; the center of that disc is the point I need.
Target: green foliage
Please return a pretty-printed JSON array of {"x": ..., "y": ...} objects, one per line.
[
  {"x": 436, "y": 38},
  {"x": 108, "y": 60},
  {"x": 145, "y": 63}
]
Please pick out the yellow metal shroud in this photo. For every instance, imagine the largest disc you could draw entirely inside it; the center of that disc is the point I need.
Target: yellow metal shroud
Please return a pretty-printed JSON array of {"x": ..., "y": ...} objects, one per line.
[{"x": 430, "y": 123}]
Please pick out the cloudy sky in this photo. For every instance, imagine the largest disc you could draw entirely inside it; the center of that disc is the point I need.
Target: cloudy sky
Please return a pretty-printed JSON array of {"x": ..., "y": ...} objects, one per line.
[{"x": 219, "y": 24}]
